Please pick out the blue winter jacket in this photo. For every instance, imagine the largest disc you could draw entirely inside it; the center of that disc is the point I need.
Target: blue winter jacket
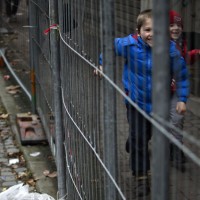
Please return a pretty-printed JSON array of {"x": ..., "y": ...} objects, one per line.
[{"x": 137, "y": 73}]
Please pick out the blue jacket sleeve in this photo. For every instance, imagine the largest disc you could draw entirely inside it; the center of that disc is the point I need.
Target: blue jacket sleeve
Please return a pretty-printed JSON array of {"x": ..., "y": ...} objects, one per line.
[
  {"x": 101, "y": 59},
  {"x": 181, "y": 75},
  {"x": 120, "y": 47}
]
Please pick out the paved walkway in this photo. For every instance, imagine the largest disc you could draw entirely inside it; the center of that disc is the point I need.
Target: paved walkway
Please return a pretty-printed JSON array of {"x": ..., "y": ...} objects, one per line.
[
  {"x": 13, "y": 168},
  {"x": 16, "y": 40}
]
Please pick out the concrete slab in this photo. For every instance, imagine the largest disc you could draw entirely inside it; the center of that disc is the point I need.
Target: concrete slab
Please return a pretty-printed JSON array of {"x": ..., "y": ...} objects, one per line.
[
  {"x": 30, "y": 128},
  {"x": 44, "y": 184}
]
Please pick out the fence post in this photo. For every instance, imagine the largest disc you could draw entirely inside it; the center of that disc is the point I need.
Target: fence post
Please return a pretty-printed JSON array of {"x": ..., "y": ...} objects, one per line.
[
  {"x": 55, "y": 53},
  {"x": 109, "y": 104},
  {"x": 161, "y": 107},
  {"x": 33, "y": 35}
]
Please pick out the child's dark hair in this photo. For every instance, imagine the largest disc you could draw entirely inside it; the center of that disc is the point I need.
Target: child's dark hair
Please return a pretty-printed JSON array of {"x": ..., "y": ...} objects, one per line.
[{"x": 145, "y": 14}]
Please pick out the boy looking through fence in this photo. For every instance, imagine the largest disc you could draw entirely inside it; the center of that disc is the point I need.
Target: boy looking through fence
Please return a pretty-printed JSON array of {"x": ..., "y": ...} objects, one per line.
[
  {"x": 177, "y": 119},
  {"x": 137, "y": 81}
]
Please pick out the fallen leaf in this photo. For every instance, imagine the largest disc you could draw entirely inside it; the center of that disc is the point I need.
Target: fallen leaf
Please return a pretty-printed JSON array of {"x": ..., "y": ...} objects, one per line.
[
  {"x": 52, "y": 175},
  {"x": 31, "y": 182},
  {"x": 12, "y": 87},
  {"x": 46, "y": 172},
  {"x": 4, "y": 116},
  {"x": 14, "y": 91}
]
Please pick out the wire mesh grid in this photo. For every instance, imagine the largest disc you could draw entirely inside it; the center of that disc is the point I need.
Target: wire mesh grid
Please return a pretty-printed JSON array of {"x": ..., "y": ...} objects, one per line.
[{"x": 95, "y": 124}]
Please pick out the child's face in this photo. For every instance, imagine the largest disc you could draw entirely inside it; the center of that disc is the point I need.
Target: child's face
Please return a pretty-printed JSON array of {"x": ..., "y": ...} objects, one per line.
[
  {"x": 175, "y": 31},
  {"x": 146, "y": 32}
]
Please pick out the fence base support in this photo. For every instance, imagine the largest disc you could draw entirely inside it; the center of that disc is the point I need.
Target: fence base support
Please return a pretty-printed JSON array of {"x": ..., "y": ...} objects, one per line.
[{"x": 31, "y": 131}]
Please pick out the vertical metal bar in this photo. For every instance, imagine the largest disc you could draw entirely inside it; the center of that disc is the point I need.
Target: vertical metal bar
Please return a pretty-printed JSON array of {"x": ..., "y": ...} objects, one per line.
[
  {"x": 110, "y": 140},
  {"x": 60, "y": 153},
  {"x": 161, "y": 107},
  {"x": 1, "y": 13},
  {"x": 33, "y": 35}
]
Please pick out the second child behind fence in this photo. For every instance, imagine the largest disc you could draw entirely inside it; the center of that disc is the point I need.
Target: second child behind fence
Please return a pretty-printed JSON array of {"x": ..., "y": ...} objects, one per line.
[
  {"x": 191, "y": 56},
  {"x": 137, "y": 81}
]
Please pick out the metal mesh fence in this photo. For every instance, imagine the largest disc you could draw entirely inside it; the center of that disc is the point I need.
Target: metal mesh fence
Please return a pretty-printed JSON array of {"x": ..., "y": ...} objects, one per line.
[
  {"x": 98, "y": 112},
  {"x": 41, "y": 66},
  {"x": 86, "y": 117}
]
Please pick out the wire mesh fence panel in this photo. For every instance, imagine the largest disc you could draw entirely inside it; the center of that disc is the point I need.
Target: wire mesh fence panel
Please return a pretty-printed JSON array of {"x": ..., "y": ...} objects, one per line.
[
  {"x": 108, "y": 118},
  {"x": 42, "y": 90}
]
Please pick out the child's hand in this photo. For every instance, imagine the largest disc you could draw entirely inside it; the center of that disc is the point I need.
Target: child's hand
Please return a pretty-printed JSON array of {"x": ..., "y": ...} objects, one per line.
[
  {"x": 98, "y": 73},
  {"x": 180, "y": 107}
]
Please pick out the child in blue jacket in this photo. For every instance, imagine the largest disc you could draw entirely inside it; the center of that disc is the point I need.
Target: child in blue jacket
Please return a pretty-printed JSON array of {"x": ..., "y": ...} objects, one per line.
[{"x": 137, "y": 82}]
